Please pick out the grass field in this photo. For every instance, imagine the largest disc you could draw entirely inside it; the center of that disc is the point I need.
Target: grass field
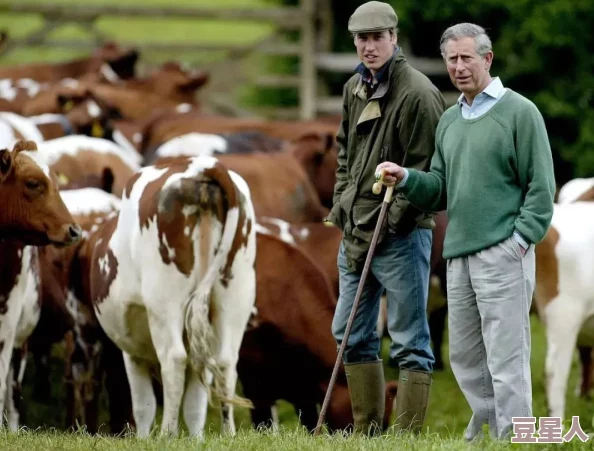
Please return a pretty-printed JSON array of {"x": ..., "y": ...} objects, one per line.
[{"x": 447, "y": 416}]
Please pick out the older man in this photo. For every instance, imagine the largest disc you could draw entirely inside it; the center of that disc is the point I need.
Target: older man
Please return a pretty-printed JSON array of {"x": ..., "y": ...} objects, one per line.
[
  {"x": 390, "y": 112},
  {"x": 493, "y": 169}
]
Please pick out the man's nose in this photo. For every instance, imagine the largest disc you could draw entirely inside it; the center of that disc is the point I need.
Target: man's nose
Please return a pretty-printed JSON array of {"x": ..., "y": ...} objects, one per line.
[{"x": 370, "y": 46}]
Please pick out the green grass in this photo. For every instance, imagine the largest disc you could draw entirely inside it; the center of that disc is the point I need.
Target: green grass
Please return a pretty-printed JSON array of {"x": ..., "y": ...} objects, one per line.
[
  {"x": 285, "y": 440},
  {"x": 447, "y": 417}
]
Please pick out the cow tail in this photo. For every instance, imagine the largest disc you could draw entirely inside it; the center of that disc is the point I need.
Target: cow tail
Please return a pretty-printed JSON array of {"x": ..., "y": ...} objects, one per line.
[{"x": 202, "y": 341}]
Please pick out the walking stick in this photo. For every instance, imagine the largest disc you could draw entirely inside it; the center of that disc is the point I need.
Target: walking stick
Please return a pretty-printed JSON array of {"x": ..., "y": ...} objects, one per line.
[{"x": 377, "y": 188}]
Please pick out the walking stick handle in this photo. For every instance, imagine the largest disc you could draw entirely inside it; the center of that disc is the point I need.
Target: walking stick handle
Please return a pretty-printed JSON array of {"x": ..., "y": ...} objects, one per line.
[{"x": 377, "y": 186}]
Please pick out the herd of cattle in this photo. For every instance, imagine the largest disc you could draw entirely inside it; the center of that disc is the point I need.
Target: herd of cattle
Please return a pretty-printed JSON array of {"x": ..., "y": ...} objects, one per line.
[{"x": 172, "y": 252}]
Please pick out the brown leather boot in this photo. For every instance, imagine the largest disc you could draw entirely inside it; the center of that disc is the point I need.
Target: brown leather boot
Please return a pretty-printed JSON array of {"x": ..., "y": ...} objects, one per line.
[
  {"x": 411, "y": 400},
  {"x": 367, "y": 389}
]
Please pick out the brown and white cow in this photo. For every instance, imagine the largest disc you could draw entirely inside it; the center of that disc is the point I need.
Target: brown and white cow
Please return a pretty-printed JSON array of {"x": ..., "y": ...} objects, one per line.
[
  {"x": 77, "y": 159},
  {"x": 176, "y": 265},
  {"x": 576, "y": 190},
  {"x": 564, "y": 293},
  {"x": 31, "y": 208}
]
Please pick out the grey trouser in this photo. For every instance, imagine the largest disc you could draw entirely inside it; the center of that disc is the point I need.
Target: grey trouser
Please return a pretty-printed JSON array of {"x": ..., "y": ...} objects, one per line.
[{"x": 489, "y": 297}]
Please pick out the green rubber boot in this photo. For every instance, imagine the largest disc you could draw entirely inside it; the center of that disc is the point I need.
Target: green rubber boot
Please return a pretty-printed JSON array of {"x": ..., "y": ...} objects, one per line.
[
  {"x": 367, "y": 389},
  {"x": 411, "y": 400}
]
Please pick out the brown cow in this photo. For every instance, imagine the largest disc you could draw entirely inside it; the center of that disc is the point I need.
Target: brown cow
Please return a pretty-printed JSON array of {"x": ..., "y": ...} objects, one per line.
[
  {"x": 171, "y": 126},
  {"x": 109, "y": 58},
  {"x": 321, "y": 243},
  {"x": 288, "y": 351},
  {"x": 280, "y": 187},
  {"x": 31, "y": 208},
  {"x": 171, "y": 81},
  {"x": 167, "y": 86},
  {"x": 65, "y": 288}
]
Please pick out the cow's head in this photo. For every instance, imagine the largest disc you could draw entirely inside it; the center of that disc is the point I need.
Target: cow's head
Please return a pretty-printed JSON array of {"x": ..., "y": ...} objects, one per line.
[
  {"x": 173, "y": 81},
  {"x": 316, "y": 151},
  {"x": 31, "y": 208}
]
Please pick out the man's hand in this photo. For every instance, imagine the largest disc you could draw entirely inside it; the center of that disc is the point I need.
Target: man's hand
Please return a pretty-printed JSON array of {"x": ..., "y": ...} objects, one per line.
[{"x": 392, "y": 172}]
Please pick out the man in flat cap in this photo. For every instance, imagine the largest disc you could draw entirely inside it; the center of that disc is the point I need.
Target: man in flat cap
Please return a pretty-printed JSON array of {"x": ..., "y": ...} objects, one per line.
[{"x": 390, "y": 113}]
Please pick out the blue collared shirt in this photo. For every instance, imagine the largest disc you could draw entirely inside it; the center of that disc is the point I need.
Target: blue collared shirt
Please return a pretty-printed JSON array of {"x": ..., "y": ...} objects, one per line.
[
  {"x": 481, "y": 104},
  {"x": 484, "y": 101}
]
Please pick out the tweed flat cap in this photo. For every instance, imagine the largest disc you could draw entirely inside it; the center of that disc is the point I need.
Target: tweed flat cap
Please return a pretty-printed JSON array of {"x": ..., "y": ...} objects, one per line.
[{"x": 373, "y": 16}]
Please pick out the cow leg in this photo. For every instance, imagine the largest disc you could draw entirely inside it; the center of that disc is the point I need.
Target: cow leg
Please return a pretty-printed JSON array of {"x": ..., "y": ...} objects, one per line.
[
  {"x": 144, "y": 404},
  {"x": 14, "y": 388},
  {"x": 41, "y": 379},
  {"x": 263, "y": 416},
  {"x": 308, "y": 415},
  {"x": 232, "y": 309},
  {"x": 583, "y": 388},
  {"x": 117, "y": 388},
  {"x": 6, "y": 348},
  {"x": 195, "y": 405},
  {"x": 563, "y": 320},
  {"x": 172, "y": 355}
]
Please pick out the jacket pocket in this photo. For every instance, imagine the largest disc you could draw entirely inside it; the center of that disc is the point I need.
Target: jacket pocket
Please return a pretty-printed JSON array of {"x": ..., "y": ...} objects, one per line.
[
  {"x": 337, "y": 216},
  {"x": 365, "y": 215}
]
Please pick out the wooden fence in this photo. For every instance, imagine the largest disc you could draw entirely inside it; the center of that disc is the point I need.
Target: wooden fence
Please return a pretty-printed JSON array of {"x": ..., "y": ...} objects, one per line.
[{"x": 312, "y": 19}]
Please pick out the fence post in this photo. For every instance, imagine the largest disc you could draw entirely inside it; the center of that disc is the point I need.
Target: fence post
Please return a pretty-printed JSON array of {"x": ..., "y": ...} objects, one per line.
[{"x": 307, "y": 67}]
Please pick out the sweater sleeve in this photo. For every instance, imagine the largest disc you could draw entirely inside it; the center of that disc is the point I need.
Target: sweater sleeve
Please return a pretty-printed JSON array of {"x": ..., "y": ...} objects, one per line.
[
  {"x": 536, "y": 175},
  {"x": 427, "y": 190}
]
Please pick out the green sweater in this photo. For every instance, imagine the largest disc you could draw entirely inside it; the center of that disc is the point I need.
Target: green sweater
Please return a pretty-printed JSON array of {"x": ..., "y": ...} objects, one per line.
[{"x": 493, "y": 174}]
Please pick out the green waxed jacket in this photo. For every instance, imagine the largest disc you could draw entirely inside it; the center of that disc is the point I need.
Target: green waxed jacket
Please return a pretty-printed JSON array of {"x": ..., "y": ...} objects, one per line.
[{"x": 397, "y": 123}]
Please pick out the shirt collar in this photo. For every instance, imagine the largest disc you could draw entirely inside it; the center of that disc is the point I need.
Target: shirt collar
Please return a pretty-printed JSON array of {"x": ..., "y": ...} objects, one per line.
[
  {"x": 382, "y": 73},
  {"x": 494, "y": 89}
]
